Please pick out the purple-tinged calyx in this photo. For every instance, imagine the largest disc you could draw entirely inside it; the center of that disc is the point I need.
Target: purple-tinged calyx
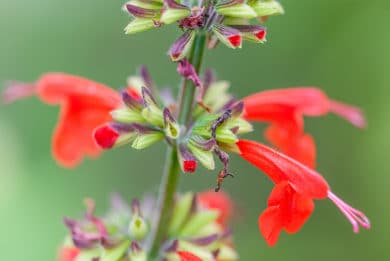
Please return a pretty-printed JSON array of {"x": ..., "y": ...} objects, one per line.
[
  {"x": 187, "y": 160},
  {"x": 140, "y": 12},
  {"x": 151, "y": 112},
  {"x": 204, "y": 241},
  {"x": 229, "y": 36},
  {"x": 180, "y": 48},
  {"x": 235, "y": 8},
  {"x": 254, "y": 33},
  {"x": 174, "y": 11},
  {"x": 147, "y": 79},
  {"x": 130, "y": 101},
  {"x": 171, "y": 127}
]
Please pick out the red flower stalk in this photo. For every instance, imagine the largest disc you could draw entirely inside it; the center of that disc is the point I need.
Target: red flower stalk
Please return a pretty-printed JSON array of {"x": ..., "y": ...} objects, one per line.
[
  {"x": 296, "y": 185},
  {"x": 84, "y": 106},
  {"x": 285, "y": 108}
]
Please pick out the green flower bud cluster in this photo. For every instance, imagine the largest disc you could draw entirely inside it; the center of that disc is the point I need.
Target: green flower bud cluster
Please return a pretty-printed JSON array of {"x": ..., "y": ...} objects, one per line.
[
  {"x": 123, "y": 233},
  {"x": 146, "y": 118},
  {"x": 227, "y": 21}
]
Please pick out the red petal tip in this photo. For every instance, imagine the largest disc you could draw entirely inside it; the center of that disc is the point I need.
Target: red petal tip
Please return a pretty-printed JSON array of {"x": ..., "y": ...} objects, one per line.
[
  {"x": 235, "y": 40},
  {"x": 190, "y": 166},
  {"x": 261, "y": 35},
  {"x": 187, "y": 256},
  {"x": 105, "y": 136}
]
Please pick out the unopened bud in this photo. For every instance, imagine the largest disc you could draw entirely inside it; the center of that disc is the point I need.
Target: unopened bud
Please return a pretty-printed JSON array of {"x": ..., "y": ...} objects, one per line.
[
  {"x": 236, "y": 8},
  {"x": 140, "y": 12},
  {"x": 139, "y": 25},
  {"x": 205, "y": 157},
  {"x": 227, "y": 35},
  {"x": 254, "y": 33},
  {"x": 113, "y": 134},
  {"x": 151, "y": 112},
  {"x": 181, "y": 212},
  {"x": 188, "y": 162},
  {"x": 266, "y": 8},
  {"x": 227, "y": 253},
  {"x": 174, "y": 11},
  {"x": 115, "y": 253},
  {"x": 198, "y": 221},
  {"x": 145, "y": 140},
  {"x": 171, "y": 127},
  {"x": 180, "y": 48},
  {"x": 126, "y": 115},
  {"x": 138, "y": 227}
]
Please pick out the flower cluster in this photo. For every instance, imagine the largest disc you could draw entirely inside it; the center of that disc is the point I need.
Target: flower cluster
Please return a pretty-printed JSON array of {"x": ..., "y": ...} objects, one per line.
[
  {"x": 227, "y": 21},
  {"x": 139, "y": 119},
  {"x": 197, "y": 231},
  {"x": 94, "y": 117}
]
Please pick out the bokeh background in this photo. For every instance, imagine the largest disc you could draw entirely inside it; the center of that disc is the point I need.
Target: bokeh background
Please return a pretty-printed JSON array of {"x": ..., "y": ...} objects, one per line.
[{"x": 341, "y": 46}]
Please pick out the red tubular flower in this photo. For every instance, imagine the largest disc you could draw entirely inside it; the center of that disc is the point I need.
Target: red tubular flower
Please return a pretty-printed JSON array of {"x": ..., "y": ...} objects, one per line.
[
  {"x": 68, "y": 254},
  {"x": 84, "y": 106},
  {"x": 291, "y": 202},
  {"x": 285, "y": 108},
  {"x": 219, "y": 201}
]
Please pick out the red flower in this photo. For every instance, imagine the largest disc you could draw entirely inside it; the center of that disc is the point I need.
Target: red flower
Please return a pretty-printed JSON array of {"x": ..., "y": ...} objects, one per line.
[
  {"x": 291, "y": 201},
  {"x": 217, "y": 201},
  {"x": 68, "y": 254},
  {"x": 84, "y": 106},
  {"x": 285, "y": 108},
  {"x": 187, "y": 256}
]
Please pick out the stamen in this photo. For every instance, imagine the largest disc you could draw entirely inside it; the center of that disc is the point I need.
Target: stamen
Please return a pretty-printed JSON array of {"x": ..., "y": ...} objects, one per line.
[
  {"x": 354, "y": 216},
  {"x": 17, "y": 90}
]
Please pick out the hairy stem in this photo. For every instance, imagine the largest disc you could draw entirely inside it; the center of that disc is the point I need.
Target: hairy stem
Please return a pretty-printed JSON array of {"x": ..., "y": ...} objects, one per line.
[{"x": 170, "y": 179}]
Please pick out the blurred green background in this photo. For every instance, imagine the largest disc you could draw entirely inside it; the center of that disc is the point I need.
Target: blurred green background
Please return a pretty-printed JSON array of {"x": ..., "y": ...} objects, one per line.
[{"x": 341, "y": 46}]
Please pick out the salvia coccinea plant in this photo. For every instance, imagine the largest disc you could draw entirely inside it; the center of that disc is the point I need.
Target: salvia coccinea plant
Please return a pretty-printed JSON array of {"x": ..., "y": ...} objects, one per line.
[{"x": 201, "y": 124}]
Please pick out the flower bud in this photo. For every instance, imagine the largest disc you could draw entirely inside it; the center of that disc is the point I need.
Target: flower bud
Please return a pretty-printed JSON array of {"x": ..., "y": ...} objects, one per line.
[
  {"x": 136, "y": 253},
  {"x": 254, "y": 33},
  {"x": 266, "y": 8},
  {"x": 115, "y": 253},
  {"x": 227, "y": 35},
  {"x": 113, "y": 134},
  {"x": 198, "y": 221},
  {"x": 181, "y": 212},
  {"x": 151, "y": 112},
  {"x": 180, "y": 48},
  {"x": 138, "y": 227},
  {"x": 139, "y": 25},
  {"x": 205, "y": 157},
  {"x": 126, "y": 115},
  {"x": 174, "y": 11},
  {"x": 187, "y": 160},
  {"x": 236, "y": 8},
  {"x": 171, "y": 127},
  {"x": 140, "y": 12},
  {"x": 143, "y": 141}
]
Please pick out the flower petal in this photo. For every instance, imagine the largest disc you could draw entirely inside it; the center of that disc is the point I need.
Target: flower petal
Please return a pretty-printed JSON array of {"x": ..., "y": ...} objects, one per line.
[
  {"x": 53, "y": 88},
  {"x": 280, "y": 168},
  {"x": 270, "y": 225},
  {"x": 219, "y": 201},
  {"x": 73, "y": 138},
  {"x": 299, "y": 147}
]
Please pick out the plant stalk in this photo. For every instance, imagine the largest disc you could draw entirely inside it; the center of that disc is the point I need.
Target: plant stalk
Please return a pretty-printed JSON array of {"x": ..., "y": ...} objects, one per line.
[{"x": 170, "y": 179}]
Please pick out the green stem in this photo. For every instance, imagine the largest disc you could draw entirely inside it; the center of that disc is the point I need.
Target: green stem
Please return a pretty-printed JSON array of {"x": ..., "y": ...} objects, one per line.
[{"x": 170, "y": 180}]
